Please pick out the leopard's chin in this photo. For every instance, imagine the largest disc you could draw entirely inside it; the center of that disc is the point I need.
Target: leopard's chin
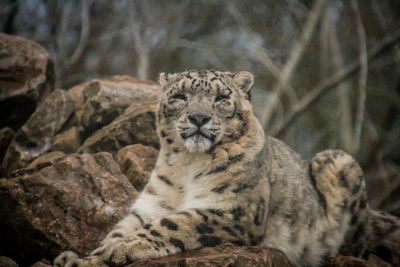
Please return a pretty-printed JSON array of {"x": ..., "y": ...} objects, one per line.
[{"x": 197, "y": 143}]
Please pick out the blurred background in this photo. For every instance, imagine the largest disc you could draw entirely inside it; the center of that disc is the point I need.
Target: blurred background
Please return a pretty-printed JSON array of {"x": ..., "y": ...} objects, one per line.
[{"x": 326, "y": 72}]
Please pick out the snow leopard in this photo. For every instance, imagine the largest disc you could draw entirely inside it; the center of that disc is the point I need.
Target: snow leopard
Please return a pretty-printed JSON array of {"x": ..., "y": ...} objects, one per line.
[{"x": 219, "y": 178}]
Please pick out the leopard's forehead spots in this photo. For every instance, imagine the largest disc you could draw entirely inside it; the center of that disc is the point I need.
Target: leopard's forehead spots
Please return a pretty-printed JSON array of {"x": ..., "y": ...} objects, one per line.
[{"x": 208, "y": 82}]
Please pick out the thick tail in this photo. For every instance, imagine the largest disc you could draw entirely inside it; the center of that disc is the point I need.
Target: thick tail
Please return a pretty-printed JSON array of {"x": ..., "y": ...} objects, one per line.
[
  {"x": 384, "y": 236},
  {"x": 340, "y": 182}
]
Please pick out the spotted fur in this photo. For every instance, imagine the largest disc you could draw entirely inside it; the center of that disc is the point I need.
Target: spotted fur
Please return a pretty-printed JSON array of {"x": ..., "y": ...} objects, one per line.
[{"x": 219, "y": 179}]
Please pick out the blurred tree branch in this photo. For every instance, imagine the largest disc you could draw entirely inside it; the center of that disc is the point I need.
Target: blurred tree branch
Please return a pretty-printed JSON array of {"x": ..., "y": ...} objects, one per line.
[
  {"x": 262, "y": 56},
  {"x": 334, "y": 80},
  {"x": 362, "y": 80},
  {"x": 9, "y": 23},
  {"x": 141, "y": 50},
  {"x": 382, "y": 21},
  {"x": 84, "y": 35},
  {"x": 345, "y": 126},
  {"x": 295, "y": 55},
  {"x": 59, "y": 36}
]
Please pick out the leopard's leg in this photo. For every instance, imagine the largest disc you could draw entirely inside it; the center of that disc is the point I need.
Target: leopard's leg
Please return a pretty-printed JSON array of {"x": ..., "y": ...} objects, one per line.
[
  {"x": 190, "y": 229},
  {"x": 146, "y": 207},
  {"x": 70, "y": 259},
  {"x": 129, "y": 224}
]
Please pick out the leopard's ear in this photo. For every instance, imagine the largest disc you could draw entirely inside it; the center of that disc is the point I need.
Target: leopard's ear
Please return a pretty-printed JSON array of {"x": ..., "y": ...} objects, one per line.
[
  {"x": 244, "y": 81},
  {"x": 166, "y": 78}
]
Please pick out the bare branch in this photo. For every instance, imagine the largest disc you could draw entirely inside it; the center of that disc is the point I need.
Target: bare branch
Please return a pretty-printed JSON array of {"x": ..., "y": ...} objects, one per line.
[
  {"x": 294, "y": 58},
  {"x": 331, "y": 58},
  {"x": 60, "y": 34},
  {"x": 324, "y": 40},
  {"x": 334, "y": 80},
  {"x": 298, "y": 50},
  {"x": 382, "y": 21},
  {"x": 362, "y": 81},
  {"x": 346, "y": 127},
  {"x": 141, "y": 51},
  {"x": 263, "y": 56},
  {"x": 84, "y": 36}
]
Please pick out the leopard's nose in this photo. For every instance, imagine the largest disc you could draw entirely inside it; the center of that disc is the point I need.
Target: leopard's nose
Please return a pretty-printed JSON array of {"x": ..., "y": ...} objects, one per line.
[{"x": 199, "y": 119}]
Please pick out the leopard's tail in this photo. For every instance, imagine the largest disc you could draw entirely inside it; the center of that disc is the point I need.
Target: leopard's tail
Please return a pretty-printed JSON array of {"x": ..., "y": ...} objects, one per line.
[
  {"x": 383, "y": 236},
  {"x": 340, "y": 181}
]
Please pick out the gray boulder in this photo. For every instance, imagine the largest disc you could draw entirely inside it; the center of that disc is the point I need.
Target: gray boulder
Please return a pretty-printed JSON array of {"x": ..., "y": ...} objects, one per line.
[
  {"x": 26, "y": 79},
  {"x": 35, "y": 136},
  {"x": 70, "y": 203}
]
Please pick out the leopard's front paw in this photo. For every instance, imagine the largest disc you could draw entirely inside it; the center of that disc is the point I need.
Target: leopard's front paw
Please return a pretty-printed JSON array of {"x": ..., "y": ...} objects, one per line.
[
  {"x": 70, "y": 259},
  {"x": 117, "y": 254},
  {"x": 127, "y": 252}
]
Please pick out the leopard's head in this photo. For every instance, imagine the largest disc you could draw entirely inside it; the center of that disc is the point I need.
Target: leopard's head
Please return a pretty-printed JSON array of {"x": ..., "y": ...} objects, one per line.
[{"x": 202, "y": 109}]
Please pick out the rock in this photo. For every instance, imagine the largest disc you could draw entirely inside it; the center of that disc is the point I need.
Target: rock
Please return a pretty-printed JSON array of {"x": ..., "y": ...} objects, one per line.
[
  {"x": 222, "y": 255},
  {"x": 107, "y": 99},
  {"x": 72, "y": 122},
  {"x": 69, "y": 204},
  {"x": 68, "y": 141},
  {"x": 135, "y": 125},
  {"x": 76, "y": 94},
  {"x": 46, "y": 158},
  {"x": 7, "y": 262},
  {"x": 42, "y": 263},
  {"x": 26, "y": 78},
  {"x": 233, "y": 256},
  {"x": 137, "y": 162},
  {"x": 34, "y": 138},
  {"x": 345, "y": 261},
  {"x": 375, "y": 261},
  {"x": 6, "y": 136},
  {"x": 350, "y": 261}
]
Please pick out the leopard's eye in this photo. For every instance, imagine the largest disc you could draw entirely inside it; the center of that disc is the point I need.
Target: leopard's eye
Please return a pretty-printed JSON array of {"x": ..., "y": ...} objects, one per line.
[
  {"x": 221, "y": 97},
  {"x": 179, "y": 96}
]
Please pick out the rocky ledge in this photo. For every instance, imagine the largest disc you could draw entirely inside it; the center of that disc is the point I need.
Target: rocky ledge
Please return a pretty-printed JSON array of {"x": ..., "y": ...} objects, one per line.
[{"x": 73, "y": 160}]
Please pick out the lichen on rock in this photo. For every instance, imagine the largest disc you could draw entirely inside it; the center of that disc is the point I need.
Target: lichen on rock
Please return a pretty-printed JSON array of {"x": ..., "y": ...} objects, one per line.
[
  {"x": 137, "y": 162},
  {"x": 135, "y": 125},
  {"x": 26, "y": 79},
  {"x": 68, "y": 204},
  {"x": 34, "y": 138}
]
